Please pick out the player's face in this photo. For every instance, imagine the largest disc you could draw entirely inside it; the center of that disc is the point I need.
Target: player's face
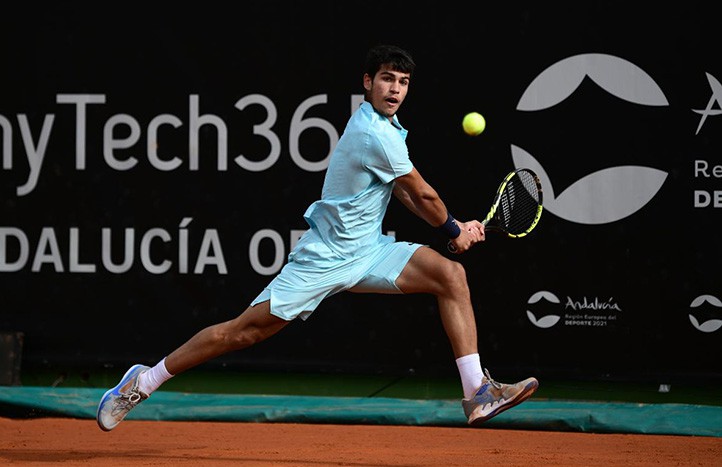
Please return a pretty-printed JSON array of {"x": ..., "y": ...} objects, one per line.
[{"x": 387, "y": 90}]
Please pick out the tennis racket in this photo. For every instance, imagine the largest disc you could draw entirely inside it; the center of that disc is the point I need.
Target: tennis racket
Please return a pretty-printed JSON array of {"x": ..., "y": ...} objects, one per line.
[{"x": 517, "y": 206}]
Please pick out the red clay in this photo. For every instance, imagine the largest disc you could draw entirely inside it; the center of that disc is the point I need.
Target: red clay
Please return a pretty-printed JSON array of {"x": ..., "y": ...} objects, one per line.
[{"x": 81, "y": 442}]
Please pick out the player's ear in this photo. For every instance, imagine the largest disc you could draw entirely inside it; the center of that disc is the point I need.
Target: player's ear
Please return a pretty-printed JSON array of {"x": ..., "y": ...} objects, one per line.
[{"x": 368, "y": 82}]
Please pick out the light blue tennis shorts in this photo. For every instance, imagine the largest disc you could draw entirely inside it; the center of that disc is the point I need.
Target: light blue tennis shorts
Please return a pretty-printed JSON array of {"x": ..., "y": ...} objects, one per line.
[{"x": 315, "y": 272}]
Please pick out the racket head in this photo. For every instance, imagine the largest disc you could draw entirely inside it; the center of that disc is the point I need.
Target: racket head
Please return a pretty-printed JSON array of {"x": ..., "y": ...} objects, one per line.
[{"x": 517, "y": 205}]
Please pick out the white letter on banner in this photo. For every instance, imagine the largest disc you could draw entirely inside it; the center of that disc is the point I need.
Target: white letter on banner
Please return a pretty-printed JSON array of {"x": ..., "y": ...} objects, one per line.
[
  {"x": 7, "y": 143},
  {"x": 211, "y": 241},
  {"x": 47, "y": 240},
  {"x": 262, "y": 129},
  {"x": 35, "y": 154},
  {"x": 145, "y": 244},
  {"x": 153, "y": 144},
  {"x": 183, "y": 245},
  {"x": 17, "y": 265},
  {"x": 196, "y": 122},
  {"x": 127, "y": 262},
  {"x": 109, "y": 143},
  {"x": 253, "y": 248},
  {"x": 74, "y": 264},
  {"x": 299, "y": 125},
  {"x": 80, "y": 101},
  {"x": 701, "y": 199}
]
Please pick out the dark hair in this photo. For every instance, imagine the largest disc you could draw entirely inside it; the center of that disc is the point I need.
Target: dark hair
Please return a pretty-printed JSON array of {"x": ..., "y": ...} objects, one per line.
[{"x": 396, "y": 57}]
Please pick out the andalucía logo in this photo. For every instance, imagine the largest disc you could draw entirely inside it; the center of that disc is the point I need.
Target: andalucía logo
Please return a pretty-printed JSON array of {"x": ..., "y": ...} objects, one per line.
[{"x": 591, "y": 312}]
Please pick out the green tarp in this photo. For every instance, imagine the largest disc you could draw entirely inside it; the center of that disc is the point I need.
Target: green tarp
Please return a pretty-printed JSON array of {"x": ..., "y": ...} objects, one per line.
[{"x": 593, "y": 417}]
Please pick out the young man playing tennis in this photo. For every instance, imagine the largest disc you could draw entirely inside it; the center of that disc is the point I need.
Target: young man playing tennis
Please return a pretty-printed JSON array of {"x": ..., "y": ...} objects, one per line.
[{"x": 344, "y": 250}]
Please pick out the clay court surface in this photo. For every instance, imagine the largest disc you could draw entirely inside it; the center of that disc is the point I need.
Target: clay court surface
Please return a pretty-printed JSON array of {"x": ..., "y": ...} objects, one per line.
[{"x": 66, "y": 441}]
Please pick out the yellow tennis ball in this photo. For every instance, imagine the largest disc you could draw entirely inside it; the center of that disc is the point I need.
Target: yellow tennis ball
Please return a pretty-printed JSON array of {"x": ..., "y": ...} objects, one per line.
[{"x": 473, "y": 123}]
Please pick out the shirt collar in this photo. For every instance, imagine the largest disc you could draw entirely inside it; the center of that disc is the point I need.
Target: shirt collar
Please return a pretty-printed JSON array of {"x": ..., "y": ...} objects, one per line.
[{"x": 394, "y": 120}]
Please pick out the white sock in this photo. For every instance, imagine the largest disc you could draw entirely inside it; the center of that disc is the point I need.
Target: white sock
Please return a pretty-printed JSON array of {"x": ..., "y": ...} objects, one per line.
[
  {"x": 471, "y": 374},
  {"x": 153, "y": 378}
]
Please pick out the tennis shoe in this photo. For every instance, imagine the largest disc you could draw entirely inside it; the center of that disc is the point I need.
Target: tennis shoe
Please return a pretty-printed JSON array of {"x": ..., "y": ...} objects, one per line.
[
  {"x": 118, "y": 401},
  {"x": 493, "y": 398}
]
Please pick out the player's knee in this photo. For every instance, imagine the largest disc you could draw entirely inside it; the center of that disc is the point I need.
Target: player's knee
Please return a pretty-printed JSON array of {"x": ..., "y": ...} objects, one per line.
[
  {"x": 454, "y": 277},
  {"x": 232, "y": 336},
  {"x": 247, "y": 337}
]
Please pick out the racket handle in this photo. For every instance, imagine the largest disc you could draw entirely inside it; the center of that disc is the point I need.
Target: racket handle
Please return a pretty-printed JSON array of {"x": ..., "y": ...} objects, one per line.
[{"x": 450, "y": 246}]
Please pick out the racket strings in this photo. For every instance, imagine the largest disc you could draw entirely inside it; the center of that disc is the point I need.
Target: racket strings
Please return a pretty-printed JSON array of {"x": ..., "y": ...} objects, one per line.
[{"x": 519, "y": 203}]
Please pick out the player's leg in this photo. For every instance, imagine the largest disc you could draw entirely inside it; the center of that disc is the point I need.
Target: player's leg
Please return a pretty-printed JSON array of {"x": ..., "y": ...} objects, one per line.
[
  {"x": 427, "y": 271},
  {"x": 254, "y": 325},
  {"x": 403, "y": 267}
]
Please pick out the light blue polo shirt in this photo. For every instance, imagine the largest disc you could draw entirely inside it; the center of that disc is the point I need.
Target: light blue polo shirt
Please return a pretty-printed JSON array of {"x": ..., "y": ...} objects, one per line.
[
  {"x": 344, "y": 248},
  {"x": 358, "y": 185}
]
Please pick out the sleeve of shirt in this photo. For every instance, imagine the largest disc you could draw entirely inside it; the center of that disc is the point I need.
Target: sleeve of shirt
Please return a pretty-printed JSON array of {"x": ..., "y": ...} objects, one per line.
[{"x": 389, "y": 156}]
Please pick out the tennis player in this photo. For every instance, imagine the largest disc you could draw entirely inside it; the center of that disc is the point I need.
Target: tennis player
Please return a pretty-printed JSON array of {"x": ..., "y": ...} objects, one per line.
[{"x": 344, "y": 250}]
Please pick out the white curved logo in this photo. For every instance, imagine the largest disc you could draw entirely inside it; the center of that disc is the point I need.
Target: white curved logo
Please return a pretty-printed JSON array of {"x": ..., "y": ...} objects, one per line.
[
  {"x": 710, "y": 325},
  {"x": 610, "y": 194},
  {"x": 545, "y": 321}
]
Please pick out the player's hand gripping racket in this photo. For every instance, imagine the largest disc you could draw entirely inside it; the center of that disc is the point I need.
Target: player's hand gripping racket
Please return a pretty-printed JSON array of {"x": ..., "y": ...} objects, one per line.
[{"x": 517, "y": 206}]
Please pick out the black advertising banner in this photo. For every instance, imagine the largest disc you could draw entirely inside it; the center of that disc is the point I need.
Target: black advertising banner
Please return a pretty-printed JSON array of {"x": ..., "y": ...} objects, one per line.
[{"x": 156, "y": 164}]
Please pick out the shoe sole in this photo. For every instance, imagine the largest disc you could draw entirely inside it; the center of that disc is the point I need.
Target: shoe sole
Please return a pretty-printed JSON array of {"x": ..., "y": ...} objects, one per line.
[
  {"x": 521, "y": 397},
  {"x": 122, "y": 382}
]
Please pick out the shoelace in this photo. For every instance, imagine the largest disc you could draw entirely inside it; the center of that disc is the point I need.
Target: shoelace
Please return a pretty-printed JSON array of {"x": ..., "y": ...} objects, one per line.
[
  {"x": 125, "y": 402},
  {"x": 491, "y": 380}
]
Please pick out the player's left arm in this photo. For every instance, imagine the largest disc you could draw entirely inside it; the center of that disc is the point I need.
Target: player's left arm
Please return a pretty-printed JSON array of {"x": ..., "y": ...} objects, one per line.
[
  {"x": 423, "y": 200},
  {"x": 420, "y": 198}
]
